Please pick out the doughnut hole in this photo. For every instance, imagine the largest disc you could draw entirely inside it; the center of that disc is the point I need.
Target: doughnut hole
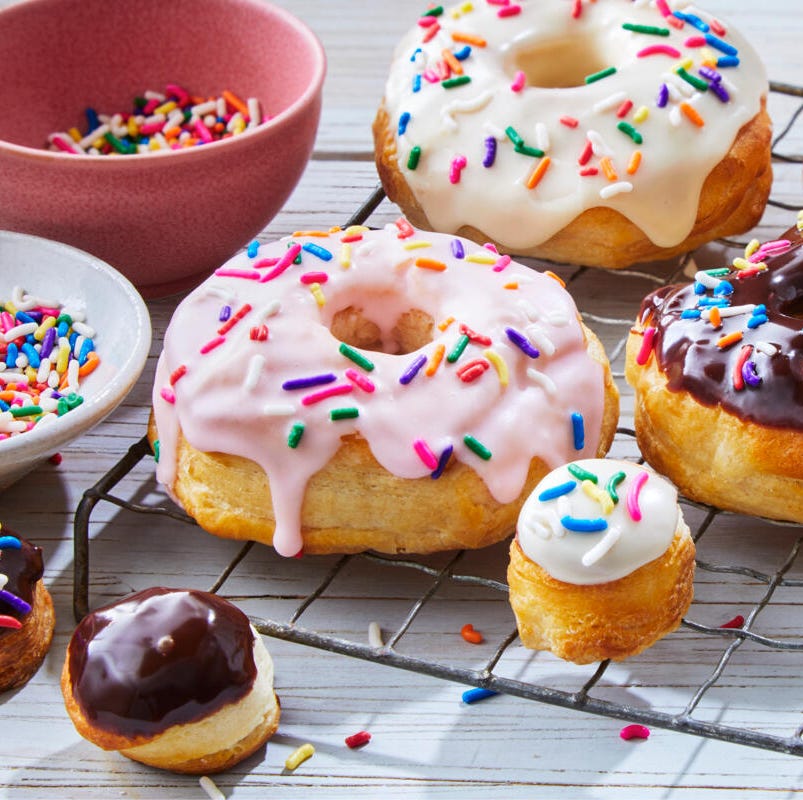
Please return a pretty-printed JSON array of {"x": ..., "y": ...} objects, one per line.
[{"x": 410, "y": 332}]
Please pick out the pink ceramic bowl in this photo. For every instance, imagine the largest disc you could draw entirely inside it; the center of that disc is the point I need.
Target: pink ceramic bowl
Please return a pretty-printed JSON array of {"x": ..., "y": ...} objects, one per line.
[{"x": 165, "y": 219}]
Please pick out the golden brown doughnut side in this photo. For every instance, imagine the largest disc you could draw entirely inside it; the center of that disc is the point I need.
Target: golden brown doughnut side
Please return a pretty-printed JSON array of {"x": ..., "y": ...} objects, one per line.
[
  {"x": 354, "y": 504},
  {"x": 732, "y": 201},
  {"x": 23, "y": 650},
  {"x": 712, "y": 456},
  {"x": 613, "y": 620}
]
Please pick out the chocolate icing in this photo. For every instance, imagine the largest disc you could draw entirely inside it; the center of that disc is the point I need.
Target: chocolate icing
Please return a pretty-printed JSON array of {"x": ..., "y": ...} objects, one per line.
[
  {"x": 158, "y": 658},
  {"x": 688, "y": 355},
  {"x": 24, "y": 568}
]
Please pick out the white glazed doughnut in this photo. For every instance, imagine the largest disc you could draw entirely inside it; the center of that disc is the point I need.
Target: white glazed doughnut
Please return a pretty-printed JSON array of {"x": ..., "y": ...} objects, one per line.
[
  {"x": 599, "y": 133},
  {"x": 381, "y": 360}
]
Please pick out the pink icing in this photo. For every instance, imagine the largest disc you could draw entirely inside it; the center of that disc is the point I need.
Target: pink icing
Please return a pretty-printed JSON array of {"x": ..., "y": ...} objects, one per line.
[{"x": 230, "y": 398}]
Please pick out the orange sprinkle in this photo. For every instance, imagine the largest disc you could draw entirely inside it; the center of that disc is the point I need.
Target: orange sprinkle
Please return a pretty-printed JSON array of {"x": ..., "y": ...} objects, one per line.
[
  {"x": 511, "y": 285},
  {"x": 454, "y": 64},
  {"x": 715, "y": 318},
  {"x": 635, "y": 162},
  {"x": 468, "y": 38},
  {"x": 551, "y": 274},
  {"x": 235, "y": 102},
  {"x": 319, "y": 234},
  {"x": 538, "y": 172},
  {"x": 692, "y": 115},
  {"x": 607, "y": 168},
  {"x": 89, "y": 365},
  {"x": 470, "y": 635},
  {"x": 435, "y": 360},
  {"x": 430, "y": 263},
  {"x": 445, "y": 324},
  {"x": 172, "y": 133},
  {"x": 729, "y": 339}
]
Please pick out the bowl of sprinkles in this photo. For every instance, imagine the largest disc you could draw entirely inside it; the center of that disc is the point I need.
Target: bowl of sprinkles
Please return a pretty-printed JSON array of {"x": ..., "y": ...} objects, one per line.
[
  {"x": 74, "y": 338},
  {"x": 160, "y": 154}
]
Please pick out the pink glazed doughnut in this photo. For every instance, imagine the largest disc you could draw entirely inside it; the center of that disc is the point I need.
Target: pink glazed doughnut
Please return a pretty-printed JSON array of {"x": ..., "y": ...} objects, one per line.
[{"x": 389, "y": 389}]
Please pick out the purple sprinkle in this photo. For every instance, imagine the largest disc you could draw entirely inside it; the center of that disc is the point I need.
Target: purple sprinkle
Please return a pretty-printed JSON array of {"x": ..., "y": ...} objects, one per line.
[
  {"x": 719, "y": 91},
  {"x": 306, "y": 383},
  {"x": 710, "y": 74},
  {"x": 413, "y": 369},
  {"x": 490, "y": 152},
  {"x": 751, "y": 377},
  {"x": 442, "y": 462},
  {"x": 457, "y": 249},
  {"x": 17, "y": 603},
  {"x": 225, "y": 313},
  {"x": 522, "y": 342},
  {"x": 663, "y": 96},
  {"x": 48, "y": 342}
]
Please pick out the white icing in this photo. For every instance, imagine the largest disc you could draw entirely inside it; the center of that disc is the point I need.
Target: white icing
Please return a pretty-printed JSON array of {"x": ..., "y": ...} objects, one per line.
[
  {"x": 622, "y": 547},
  {"x": 556, "y": 50}
]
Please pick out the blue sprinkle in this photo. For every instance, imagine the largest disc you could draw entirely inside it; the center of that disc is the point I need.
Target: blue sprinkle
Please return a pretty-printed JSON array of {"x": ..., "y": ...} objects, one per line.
[
  {"x": 458, "y": 251},
  {"x": 522, "y": 342},
  {"x": 4, "y": 406},
  {"x": 723, "y": 47},
  {"x": 691, "y": 313},
  {"x": 463, "y": 53},
  {"x": 722, "y": 302},
  {"x": 693, "y": 20},
  {"x": 756, "y": 320},
  {"x": 10, "y": 542},
  {"x": 760, "y": 309},
  {"x": 442, "y": 462},
  {"x": 556, "y": 491},
  {"x": 33, "y": 356},
  {"x": 413, "y": 369},
  {"x": 22, "y": 318},
  {"x": 317, "y": 250},
  {"x": 404, "y": 120},
  {"x": 416, "y": 83},
  {"x": 724, "y": 288},
  {"x": 11, "y": 355},
  {"x": 583, "y": 525},
  {"x": 415, "y": 53},
  {"x": 92, "y": 120},
  {"x": 62, "y": 328},
  {"x": 699, "y": 288},
  {"x": 473, "y": 695},
  {"x": 578, "y": 431},
  {"x": 253, "y": 249},
  {"x": 728, "y": 61},
  {"x": 86, "y": 348}
]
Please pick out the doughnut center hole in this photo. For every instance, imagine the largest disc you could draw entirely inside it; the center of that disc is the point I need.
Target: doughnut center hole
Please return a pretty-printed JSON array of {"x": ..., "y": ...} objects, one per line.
[
  {"x": 411, "y": 330},
  {"x": 560, "y": 63}
]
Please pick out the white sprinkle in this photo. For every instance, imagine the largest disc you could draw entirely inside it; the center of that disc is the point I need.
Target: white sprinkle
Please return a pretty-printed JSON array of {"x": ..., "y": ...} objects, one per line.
[
  {"x": 544, "y": 381},
  {"x": 733, "y": 311},
  {"x": 495, "y": 131},
  {"x": 254, "y": 112},
  {"x": 613, "y": 189},
  {"x": 558, "y": 318},
  {"x": 278, "y": 410},
  {"x": 540, "y": 339},
  {"x": 3, "y": 581},
  {"x": 674, "y": 81},
  {"x": 209, "y": 107},
  {"x": 43, "y": 372},
  {"x": 674, "y": 92},
  {"x": 72, "y": 376},
  {"x": 675, "y": 117},
  {"x": 598, "y": 144},
  {"x": 93, "y": 136},
  {"x": 255, "y": 366},
  {"x": 12, "y": 377},
  {"x": 709, "y": 281},
  {"x": 375, "y": 635},
  {"x": 83, "y": 329},
  {"x": 152, "y": 94},
  {"x": 767, "y": 348},
  {"x": 210, "y": 787},
  {"x": 20, "y": 330},
  {"x": 529, "y": 310},
  {"x": 595, "y": 553},
  {"x": 610, "y": 102},
  {"x": 273, "y": 308},
  {"x": 464, "y": 107},
  {"x": 543, "y": 523},
  {"x": 542, "y": 141}
]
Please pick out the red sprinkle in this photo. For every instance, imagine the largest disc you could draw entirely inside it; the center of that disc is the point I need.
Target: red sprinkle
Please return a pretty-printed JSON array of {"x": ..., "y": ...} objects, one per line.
[
  {"x": 313, "y": 277},
  {"x": 259, "y": 333},
  {"x": 589, "y": 172},
  {"x": 585, "y": 156},
  {"x": 736, "y": 622},
  {"x": 177, "y": 374},
  {"x": 56, "y": 459},
  {"x": 358, "y": 739},
  {"x": 405, "y": 228},
  {"x": 473, "y": 336},
  {"x": 470, "y": 635},
  {"x": 9, "y": 622},
  {"x": 569, "y": 122},
  {"x": 234, "y": 319},
  {"x": 577, "y": 9},
  {"x": 634, "y": 732},
  {"x": 623, "y": 109},
  {"x": 472, "y": 370}
]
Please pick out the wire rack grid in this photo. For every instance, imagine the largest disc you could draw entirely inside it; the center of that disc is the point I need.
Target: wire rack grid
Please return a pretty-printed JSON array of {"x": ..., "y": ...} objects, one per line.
[{"x": 758, "y": 582}]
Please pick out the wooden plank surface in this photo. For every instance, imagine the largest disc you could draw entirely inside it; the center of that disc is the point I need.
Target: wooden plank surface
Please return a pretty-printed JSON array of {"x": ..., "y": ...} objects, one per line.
[{"x": 427, "y": 743}]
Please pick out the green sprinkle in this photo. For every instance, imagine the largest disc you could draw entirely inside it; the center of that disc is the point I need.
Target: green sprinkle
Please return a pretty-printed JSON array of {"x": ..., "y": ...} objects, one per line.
[
  {"x": 598, "y": 76},
  {"x": 613, "y": 482},
  {"x": 414, "y": 158},
  {"x": 452, "y": 83},
  {"x": 73, "y": 400},
  {"x": 653, "y": 30},
  {"x": 514, "y": 137},
  {"x": 717, "y": 272},
  {"x": 529, "y": 151},
  {"x": 61, "y": 407},
  {"x": 582, "y": 474},
  {"x": 477, "y": 447},
  {"x": 296, "y": 432},
  {"x": 434, "y": 12},
  {"x": 157, "y": 449},
  {"x": 458, "y": 349},
  {"x": 697, "y": 83},
  {"x": 25, "y": 411},
  {"x": 119, "y": 145},
  {"x": 64, "y": 318},
  {"x": 343, "y": 413},
  {"x": 297, "y": 259},
  {"x": 356, "y": 357},
  {"x": 627, "y": 128}
]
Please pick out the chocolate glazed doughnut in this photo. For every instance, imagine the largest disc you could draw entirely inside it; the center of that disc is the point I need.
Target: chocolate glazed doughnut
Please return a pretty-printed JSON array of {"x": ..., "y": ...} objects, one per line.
[{"x": 717, "y": 366}]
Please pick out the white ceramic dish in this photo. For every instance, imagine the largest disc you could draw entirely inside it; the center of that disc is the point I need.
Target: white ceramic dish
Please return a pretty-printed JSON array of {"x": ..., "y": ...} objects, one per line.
[{"x": 113, "y": 308}]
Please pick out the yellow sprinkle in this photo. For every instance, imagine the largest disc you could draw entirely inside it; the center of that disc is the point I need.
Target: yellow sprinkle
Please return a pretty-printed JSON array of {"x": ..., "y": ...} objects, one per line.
[
  {"x": 335, "y": 229},
  {"x": 47, "y": 323},
  {"x": 317, "y": 293},
  {"x": 10, "y": 307},
  {"x": 355, "y": 230},
  {"x": 75, "y": 134},
  {"x": 153, "y": 144},
  {"x": 751, "y": 248},
  {"x": 641, "y": 114},
  {"x": 62, "y": 358},
  {"x": 600, "y": 495},
  {"x": 464, "y": 8},
  {"x": 133, "y": 128},
  {"x": 800, "y": 220},
  {"x": 299, "y": 756},
  {"x": 499, "y": 365},
  {"x": 511, "y": 285},
  {"x": 165, "y": 108},
  {"x": 686, "y": 64},
  {"x": 445, "y": 324},
  {"x": 482, "y": 258},
  {"x": 743, "y": 263},
  {"x": 30, "y": 374},
  {"x": 435, "y": 360},
  {"x": 417, "y": 245},
  {"x": 345, "y": 255}
]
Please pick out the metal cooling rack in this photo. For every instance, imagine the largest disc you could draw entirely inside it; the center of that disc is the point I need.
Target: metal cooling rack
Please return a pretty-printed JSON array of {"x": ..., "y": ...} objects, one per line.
[{"x": 718, "y": 644}]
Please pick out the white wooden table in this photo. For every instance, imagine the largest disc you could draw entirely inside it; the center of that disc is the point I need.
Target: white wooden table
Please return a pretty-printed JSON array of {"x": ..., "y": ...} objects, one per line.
[{"x": 426, "y": 741}]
